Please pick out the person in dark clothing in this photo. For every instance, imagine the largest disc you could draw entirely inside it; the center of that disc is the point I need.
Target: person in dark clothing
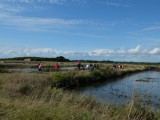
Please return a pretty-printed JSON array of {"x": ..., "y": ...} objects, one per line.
[{"x": 78, "y": 65}]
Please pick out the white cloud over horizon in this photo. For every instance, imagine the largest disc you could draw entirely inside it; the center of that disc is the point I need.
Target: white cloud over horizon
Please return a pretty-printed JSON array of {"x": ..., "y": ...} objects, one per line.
[
  {"x": 101, "y": 52},
  {"x": 136, "y": 50},
  {"x": 155, "y": 51},
  {"x": 134, "y": 54}
]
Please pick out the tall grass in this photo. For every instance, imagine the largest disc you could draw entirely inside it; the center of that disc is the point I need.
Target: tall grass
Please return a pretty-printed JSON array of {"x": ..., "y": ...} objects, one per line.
[
  {"x": 72, "y": 78},
  {"x": 32, "y": 97}
]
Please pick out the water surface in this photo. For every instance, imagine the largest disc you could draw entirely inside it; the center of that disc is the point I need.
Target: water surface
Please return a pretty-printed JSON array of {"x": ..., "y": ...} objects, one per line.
[{"x": 144, "y": 84}]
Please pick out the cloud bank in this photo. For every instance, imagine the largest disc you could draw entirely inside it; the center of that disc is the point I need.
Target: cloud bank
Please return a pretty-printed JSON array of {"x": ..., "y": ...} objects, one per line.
[{"x": 137, "y": 54}]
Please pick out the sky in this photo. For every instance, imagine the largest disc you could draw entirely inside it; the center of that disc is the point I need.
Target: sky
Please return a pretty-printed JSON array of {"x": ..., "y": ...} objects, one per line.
[{"x": 117, "y": 30}]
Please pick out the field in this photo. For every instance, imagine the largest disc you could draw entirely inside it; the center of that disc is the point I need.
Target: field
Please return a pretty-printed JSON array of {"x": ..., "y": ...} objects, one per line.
[{"x": 35, "y": 96}]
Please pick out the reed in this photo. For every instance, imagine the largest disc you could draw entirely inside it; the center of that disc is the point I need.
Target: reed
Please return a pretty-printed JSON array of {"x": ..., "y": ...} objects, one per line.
[{"x": 33, "y": 96}]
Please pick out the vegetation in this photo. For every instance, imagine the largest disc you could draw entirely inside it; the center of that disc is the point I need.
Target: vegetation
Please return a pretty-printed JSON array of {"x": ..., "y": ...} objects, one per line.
[
  {"x": 32, "y": 97},
  {"x": 57, "y": 59},
  {"x": 63, "y": 59},
  {"x": 73, "y": 78}
]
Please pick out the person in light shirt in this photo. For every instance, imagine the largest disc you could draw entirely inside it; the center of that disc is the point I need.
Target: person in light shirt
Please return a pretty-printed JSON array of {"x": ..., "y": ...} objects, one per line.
[{"x": 40, "y": 67}]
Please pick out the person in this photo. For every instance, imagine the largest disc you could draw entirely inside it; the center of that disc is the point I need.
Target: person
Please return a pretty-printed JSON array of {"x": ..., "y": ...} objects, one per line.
[
  {"x": 78, "y": 65},
  {"x": 93, "y": 66},
  {"x": 114, "y": 66},
  {"x": 83, "y": 67},
  {"x": 40, "y": 67},
  {"x": 87, "y": 67},
  {"x": 122, "y": 66},
  {"x": 117, "y": 66},
  {"x": 56, "y": 66}
]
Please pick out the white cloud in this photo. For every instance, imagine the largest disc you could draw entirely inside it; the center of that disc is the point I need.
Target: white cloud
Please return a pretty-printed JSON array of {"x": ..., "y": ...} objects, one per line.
[
  {"x": 40, "y": 1},
  {"x": 155, "y": 51},
  {"x": 9, "y": 16},
  {"x": 74, "y": 53},
  {"x": 150, "y": 28},
  {"x": 14, "y": 7},
  {"x": 14, "y": 4},
  {"x": 50, "y": 24},
  {"x": 33, "y": 23},
  {"x": 9, "y": 8},
  {"x": 13, "y": 52},
  {"x": 121, "y": 51},
  {"x": 135, "y": 50},
  {"x": 19, "y": 6},
  {"x": 12, "y": 11},
  {"x": 104, "y": 52},
  {"x": 136, "y": 54},
  {"x": 117, "y": 3},
  {"x": 138, "y": 50}
]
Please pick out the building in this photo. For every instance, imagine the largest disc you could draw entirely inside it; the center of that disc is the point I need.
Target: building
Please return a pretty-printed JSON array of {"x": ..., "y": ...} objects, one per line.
[{"x": 27, "y": 59}]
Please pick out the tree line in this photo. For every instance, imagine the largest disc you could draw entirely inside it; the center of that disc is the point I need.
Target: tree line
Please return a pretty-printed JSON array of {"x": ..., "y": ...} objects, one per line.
[
  {"x": 57, "y": 59},
  {"x": 63, "y": 59}
]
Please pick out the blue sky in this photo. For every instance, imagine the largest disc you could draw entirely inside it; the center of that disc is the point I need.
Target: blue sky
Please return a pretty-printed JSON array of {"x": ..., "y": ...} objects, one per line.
[{"x": 119, "y": 30}]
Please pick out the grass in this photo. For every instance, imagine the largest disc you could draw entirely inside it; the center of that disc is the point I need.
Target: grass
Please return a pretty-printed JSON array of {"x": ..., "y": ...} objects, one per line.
[
  {"x": 73, "y": 78},
  {"x": 32, "y": 97}
]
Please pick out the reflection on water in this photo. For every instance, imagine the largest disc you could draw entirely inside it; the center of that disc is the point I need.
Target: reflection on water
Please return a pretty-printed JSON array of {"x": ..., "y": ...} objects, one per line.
[{"x": 145, "y": 84}]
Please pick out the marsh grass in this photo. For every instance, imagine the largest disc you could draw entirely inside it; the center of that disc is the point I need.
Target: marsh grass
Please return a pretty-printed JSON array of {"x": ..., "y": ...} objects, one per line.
[
  {"x": 73, "y": 78},
  {"x": 36, "y": 97},
  {"x": 71, "y": 108}
]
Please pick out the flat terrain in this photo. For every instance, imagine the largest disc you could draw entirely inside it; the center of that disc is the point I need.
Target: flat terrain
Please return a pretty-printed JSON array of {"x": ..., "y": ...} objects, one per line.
[{"x": 35, "y": 96}]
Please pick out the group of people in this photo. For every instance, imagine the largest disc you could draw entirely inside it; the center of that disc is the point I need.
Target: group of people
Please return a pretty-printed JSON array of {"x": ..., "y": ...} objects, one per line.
[
  {"x": 79, "y": 66},
  {"x": 86, "y": 67},
  {"x": 117, "y": 66},
  {"x": 56, "y": 66}
]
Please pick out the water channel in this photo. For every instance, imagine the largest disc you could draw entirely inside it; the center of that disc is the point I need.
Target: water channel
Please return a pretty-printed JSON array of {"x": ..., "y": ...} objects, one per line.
[{"x": 145, "y": 85}]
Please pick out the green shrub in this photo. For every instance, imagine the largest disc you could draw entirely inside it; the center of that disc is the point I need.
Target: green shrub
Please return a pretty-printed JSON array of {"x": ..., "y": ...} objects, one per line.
[{"x": 58, "y": 77}]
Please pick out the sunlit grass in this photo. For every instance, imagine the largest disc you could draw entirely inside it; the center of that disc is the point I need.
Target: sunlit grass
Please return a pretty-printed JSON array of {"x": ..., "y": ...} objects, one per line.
[{"x": 34, "y": 96}]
